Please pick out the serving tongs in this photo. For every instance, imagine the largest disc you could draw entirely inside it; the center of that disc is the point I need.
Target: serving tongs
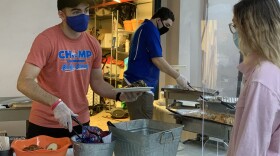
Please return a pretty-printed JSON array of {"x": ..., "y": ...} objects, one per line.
[
  {"x": 190, "y": 87},
  {"x": 109, "y": 123},
  {"x": 91, "y": 132},
  {"x": 230, "y": 105}
]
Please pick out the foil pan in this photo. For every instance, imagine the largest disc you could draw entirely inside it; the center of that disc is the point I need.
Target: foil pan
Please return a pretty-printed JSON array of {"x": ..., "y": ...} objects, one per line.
[
  {"x": 193, "y": 90},
  {"x": 175, "y": 92}
]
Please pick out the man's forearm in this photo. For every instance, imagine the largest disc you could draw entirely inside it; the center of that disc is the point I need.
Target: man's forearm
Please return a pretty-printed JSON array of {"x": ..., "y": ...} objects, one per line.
[
  {"x": 104, "y": 89},
  {"x": 32, "y": 90},
  {"x": 164, "y": 66}
]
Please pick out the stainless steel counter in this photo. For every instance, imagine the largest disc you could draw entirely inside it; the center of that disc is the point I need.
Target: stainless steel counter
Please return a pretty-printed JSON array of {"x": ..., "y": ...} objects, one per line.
[
  {"x": 14, "y": 114},
  {"x": 17, "y": 108}
]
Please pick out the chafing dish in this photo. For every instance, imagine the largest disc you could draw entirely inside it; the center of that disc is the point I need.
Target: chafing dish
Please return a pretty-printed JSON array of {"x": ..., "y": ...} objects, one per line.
[
  {"x": 207, "y": 97},
  {"x": 216, "y": 111},
  {"x": 175, "y": 92},
  {"x": 220, "y": 104}
]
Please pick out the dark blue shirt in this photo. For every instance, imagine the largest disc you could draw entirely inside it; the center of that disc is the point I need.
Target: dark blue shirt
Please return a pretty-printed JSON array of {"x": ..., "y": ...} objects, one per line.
[{"x": 145, "y": 45}]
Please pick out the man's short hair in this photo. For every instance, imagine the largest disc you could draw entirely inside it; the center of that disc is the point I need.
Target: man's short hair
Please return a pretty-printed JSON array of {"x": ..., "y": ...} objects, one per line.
[
  {"x": 164, "y": 13},
  {"x": 61, "y": 4}
]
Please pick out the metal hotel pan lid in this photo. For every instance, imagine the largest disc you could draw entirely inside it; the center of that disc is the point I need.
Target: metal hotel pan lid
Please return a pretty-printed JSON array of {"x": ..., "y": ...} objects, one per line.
[{"x": 177, "y": 88}]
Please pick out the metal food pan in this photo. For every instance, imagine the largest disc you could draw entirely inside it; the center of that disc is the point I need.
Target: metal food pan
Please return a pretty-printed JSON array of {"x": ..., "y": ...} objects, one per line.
[
  {"x": 215, "y": 103},
  {"x": 218, "y": 107},
  {"x": 175, "y": 92},
  {"x": 196, "y": 90}
]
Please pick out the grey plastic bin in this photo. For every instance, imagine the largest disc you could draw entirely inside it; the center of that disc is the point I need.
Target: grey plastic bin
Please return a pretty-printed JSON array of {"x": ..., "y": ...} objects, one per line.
[{"x": 146, "y": 138}]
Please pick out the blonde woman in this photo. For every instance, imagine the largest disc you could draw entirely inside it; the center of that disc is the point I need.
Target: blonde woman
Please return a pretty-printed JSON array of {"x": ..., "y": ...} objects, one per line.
[{"x": 256, "y": 31}]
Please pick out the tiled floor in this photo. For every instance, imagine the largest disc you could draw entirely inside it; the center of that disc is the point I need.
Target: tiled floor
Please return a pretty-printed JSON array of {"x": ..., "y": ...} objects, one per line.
[
  {"x": 195, "y": 149},
  {"x": 100, "y": 120}
]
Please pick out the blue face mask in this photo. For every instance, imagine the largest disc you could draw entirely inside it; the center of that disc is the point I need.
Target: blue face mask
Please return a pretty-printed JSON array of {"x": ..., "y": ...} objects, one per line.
[
  {"x": 235, "y": 39},
  {"x": 78, "y": 23}
]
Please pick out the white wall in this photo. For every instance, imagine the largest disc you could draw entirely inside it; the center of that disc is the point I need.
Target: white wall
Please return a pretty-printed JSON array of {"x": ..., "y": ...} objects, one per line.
[
  {"x": 173, "y": 38},
  {"x": 21, "y": 22},
  {"x": 162, "y": 76},
  {"x": 182, "y": 44},
  {"x": 190, "y": 40}
]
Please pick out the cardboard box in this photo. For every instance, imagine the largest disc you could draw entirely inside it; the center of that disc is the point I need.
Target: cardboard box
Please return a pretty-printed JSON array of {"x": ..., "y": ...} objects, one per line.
[
  {"x": 107, "y": 69},
  {"x": 107, "y": 41}
]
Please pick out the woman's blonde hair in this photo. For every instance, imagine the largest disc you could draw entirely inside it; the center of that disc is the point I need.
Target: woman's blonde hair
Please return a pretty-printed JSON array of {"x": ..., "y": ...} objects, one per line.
[{"x": 258, "y": 26}]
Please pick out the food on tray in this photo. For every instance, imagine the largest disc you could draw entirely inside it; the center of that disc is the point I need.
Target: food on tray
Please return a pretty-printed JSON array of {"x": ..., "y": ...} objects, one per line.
[
  {"x": 32, "y": 147},
  {"x": 139, "y": 83},
  {"x": 52, "y": 146}
]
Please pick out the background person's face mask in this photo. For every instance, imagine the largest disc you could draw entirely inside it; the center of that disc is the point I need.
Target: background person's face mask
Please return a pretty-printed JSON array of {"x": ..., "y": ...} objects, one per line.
[
  {"x": 78, "y": 23},
  {"x": 163, "y": 29},
  {"x": 236, "y": 39}
]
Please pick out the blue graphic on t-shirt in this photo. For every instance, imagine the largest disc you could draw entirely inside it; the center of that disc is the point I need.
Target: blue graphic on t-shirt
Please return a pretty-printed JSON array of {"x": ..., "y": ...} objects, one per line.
[
  {"x": 74, "y": 61},
  {"x": 65, "y": 54}
]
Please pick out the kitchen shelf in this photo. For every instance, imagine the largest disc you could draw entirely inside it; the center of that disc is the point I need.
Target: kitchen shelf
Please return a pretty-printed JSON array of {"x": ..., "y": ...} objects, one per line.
[
  {"x": 122, "y": 53},
  {"x": 125, "y": 32},
  {"x": 105, "y": 49},
  {"x": 100, "y": 17},
  {"x": 105, "y": 4},
  {"x": 113, "y": 79},
  {"x": 104, "y": 17}
]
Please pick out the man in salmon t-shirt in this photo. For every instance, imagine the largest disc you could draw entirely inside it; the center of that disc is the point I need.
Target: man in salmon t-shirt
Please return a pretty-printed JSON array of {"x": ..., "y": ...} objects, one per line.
[{"x": 64, "y": 60}]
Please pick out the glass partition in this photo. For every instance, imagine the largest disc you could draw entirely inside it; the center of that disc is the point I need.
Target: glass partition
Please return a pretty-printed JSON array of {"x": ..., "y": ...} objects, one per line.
[
  {"x": 220, "y": 58},
  {"x": 209, "y": 59},
  {"x": 220, "y": 55}
]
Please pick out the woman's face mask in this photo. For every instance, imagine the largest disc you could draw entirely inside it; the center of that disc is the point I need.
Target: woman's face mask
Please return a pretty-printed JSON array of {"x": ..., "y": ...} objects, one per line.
[
  {"x": 78, "y": 23},
  {"x": 236, "y": 39}
]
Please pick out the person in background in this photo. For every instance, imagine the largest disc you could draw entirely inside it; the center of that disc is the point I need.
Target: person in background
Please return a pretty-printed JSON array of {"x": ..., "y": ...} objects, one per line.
[
  {"x": 256, "y": 30},
  {"x": 145, "y": 62},
  {"x": 63, "y": 61}
]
